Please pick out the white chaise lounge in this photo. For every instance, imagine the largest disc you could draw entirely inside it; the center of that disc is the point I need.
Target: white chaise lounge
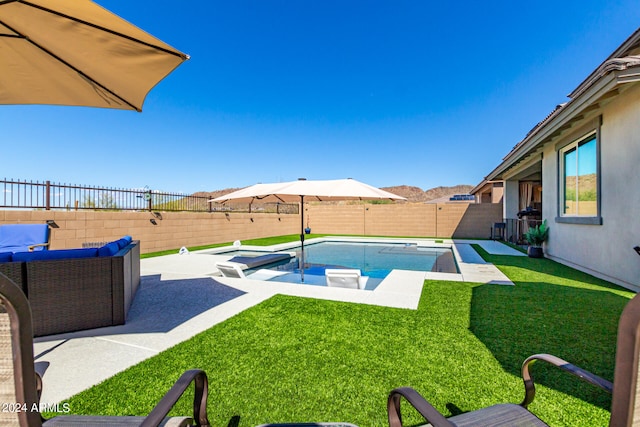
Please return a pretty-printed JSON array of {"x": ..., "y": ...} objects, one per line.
[
  {"x": 234, "y": 269},
  {"x": 230, "y": 269},
  {"x": 345, "y": 278}
]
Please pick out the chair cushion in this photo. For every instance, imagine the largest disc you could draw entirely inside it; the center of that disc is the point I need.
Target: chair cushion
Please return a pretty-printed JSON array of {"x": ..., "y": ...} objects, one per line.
[
  {"x": 507, "y": 414},
  {"x": 18, "y": 237},
  {"x": 55, "y": 254}
]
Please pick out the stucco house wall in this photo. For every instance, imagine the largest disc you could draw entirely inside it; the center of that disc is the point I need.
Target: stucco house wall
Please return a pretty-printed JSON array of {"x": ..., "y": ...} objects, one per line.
[
  {"x": 489, "y": 192},
  {"x": 604, "y": 250},
  {"x": 601, "y": 238}
]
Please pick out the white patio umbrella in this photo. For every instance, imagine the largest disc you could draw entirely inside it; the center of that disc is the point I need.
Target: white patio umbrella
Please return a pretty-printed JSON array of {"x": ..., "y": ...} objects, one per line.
[
  {"x": 314, "y": 190},
  {"x": 75, "y": 52}
]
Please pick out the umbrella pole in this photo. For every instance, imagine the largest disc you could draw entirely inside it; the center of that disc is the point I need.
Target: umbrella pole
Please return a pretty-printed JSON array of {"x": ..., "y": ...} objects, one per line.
[{"x": 301, "y": 266}]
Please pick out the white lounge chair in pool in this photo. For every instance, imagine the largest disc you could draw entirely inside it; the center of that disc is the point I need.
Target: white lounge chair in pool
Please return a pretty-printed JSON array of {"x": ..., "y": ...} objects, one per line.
[
  {"x": 345, "y": 278},
  {"x": 230, "y": 269},
  {"x": 233, "y": 269}
]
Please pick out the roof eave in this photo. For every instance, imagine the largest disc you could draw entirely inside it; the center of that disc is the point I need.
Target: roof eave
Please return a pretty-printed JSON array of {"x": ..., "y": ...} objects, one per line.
[
  {"x": 631, "y": 44},
  {"x": 561, "y": 117},
  {"x": 622, "y": 66}
]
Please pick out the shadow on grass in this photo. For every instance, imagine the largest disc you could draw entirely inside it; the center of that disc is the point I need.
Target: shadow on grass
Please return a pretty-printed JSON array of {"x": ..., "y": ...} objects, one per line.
[{"x": 551, "y": 309}]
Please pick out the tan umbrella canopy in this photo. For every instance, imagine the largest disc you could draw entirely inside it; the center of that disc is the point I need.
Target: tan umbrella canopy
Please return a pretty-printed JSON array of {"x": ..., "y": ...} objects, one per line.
[
  {"x": 75, "y": 52},
  {"x": 315, "y": 190}
]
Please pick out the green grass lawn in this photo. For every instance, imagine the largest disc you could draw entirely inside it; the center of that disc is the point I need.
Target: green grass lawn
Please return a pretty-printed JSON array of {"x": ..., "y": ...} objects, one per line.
[
  {"x": 299, "y": 359},
  {"x": 267, "y": 241}
]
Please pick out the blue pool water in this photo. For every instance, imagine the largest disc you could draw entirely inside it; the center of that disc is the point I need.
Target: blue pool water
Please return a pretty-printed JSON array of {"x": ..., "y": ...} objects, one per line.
[{"x": 375, "y": 260}]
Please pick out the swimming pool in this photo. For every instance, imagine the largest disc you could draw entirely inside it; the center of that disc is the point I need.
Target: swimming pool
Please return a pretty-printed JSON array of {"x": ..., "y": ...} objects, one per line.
[{"x": 375, "y": 260}]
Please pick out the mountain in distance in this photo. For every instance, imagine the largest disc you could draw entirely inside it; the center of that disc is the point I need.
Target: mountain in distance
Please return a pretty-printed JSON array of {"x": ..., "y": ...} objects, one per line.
[
  {"x": 413, "y": 194},
  {"x": 417, "y": 195},
  {"x": 215, "y": 193}
]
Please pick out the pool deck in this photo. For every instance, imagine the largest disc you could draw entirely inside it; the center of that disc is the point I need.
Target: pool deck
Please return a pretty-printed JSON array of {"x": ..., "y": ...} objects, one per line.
[{"x": 182, "y": 295}]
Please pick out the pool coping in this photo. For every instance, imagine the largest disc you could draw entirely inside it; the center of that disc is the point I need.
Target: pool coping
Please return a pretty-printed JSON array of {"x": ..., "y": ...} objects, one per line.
[
  {"x": 401, "y": 288},
  {"x": 470, "y": 264}
]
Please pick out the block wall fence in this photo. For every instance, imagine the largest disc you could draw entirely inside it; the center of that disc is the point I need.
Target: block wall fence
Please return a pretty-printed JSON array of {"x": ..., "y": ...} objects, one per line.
[{"x": 177, "y": 229}]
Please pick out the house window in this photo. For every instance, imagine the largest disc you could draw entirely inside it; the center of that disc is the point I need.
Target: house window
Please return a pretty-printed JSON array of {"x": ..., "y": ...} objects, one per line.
[{"x": 579, "y": 178}]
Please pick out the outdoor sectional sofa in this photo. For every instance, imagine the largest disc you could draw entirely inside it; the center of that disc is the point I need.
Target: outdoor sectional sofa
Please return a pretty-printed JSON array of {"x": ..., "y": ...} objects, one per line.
[{"x": 76, "y": 289}]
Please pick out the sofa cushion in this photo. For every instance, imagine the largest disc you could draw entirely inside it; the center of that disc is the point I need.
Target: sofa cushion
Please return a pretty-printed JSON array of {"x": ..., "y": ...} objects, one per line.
[
  {"x": 18, "y": 237},
  {"x": 125, "y": 241},
  {"x": 109, "y": 249},
  {"x": 55, "y": 254},
  {"x": 5, "y": 256}
]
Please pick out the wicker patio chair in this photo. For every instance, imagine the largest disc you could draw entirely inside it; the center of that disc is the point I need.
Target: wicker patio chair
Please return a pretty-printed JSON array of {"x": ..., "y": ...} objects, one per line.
[
  {"x": 625, "y": 387},
  {"x": 19, "y": 384}
]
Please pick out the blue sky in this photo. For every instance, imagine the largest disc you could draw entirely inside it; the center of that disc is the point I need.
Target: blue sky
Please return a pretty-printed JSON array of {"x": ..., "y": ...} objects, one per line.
[{"x": 420, "y": 93}]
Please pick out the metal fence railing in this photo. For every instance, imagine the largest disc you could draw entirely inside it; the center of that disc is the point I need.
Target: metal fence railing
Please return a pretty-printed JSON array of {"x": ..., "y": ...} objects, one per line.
[{"x": 47, "y": 195}]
